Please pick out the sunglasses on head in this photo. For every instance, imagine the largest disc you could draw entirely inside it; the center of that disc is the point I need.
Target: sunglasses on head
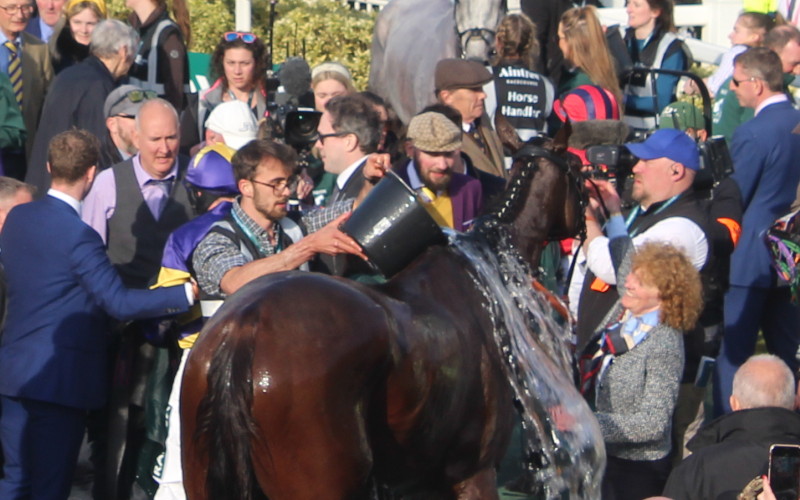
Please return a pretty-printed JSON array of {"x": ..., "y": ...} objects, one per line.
[
  {"x": 232, "y": 36},
  {"x": 135, "y": 96}
]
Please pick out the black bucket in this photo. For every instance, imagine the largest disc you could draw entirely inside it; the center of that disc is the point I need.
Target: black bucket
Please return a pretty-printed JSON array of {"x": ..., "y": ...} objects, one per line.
[{"x": 392, "y": 226}]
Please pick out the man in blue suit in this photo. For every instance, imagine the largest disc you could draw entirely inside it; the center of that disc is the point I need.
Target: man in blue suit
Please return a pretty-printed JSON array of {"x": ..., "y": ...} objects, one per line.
[
  {"x": 765, "y": 153},
  {"x": 53, "y": 355}
]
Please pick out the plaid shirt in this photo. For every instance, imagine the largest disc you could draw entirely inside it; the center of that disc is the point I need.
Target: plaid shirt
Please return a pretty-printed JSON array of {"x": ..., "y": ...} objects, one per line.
[{"x": 216, "y": 254}]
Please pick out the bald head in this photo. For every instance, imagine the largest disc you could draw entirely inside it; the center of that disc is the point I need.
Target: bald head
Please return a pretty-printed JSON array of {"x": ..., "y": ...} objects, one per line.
[
  {"x": 763, "y": 380},
  {"x": 157, "y": 137}
]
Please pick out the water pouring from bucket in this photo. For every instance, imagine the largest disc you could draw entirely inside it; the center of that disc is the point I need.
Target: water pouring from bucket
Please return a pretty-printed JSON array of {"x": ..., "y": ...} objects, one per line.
[{"x": 393, "y": 226}]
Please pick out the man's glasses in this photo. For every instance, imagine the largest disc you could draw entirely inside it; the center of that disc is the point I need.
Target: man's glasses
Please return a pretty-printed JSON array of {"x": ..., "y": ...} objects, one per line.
[
  {"x": 279, "y": 186},
  {"x": 321, "y": 137},
  {"x": 14, "y": 9},
  {"x": 232, "y": 36},
  {"x": 736, "y": 82}
]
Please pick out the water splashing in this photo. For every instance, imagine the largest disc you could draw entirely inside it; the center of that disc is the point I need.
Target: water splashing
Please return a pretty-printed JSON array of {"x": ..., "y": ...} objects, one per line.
[{"x": 564, "y": 446}]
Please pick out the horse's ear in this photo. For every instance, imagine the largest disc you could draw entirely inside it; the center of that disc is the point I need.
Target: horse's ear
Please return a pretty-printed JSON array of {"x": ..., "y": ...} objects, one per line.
[
  {"x": 561, "y": 140},
  {"x": 506, "y": 132}
]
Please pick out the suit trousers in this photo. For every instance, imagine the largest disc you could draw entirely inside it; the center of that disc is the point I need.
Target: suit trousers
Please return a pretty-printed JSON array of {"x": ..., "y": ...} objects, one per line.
[
  {"x": 748, "y": 309},
  {"x": 41, "y": 442}
]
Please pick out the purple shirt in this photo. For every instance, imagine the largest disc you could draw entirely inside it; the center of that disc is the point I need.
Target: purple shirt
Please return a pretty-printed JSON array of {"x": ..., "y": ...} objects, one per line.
[{"x": 99, "y": 204}]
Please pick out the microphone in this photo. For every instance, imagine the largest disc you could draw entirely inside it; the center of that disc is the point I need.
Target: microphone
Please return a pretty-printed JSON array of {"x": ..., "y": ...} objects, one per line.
[{"x": 295, "y": 78}]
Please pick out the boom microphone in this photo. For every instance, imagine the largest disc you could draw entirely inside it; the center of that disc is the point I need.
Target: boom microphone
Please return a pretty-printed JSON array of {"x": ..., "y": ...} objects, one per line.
[
  {"x": 597, "y": 132},
  {"x": 295, "y": 77}
]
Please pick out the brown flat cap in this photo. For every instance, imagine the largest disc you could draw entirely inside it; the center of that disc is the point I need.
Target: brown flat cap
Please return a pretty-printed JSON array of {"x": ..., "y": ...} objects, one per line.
[
  {"x": 454, "y": 74},
  {"x": 434, "y": 133}
]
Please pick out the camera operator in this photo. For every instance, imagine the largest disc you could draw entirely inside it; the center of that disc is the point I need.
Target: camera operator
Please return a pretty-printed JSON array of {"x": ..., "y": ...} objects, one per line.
[{"x": 668, "y": 209}]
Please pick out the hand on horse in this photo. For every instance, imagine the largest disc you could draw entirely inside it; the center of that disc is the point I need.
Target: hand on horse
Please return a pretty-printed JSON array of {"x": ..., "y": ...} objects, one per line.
[
  {"x": 331, "y": 240},
  {"x": 603, "y": 195}
]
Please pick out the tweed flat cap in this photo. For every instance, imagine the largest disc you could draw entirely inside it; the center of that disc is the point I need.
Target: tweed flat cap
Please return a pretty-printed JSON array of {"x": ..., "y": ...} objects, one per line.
[
  {"x": 434, "y": 133},
  {"x": 454, "y": 74}
]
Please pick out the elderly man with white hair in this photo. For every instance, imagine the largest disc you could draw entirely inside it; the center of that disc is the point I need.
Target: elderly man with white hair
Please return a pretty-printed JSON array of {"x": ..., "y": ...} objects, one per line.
[
  {"x": 733, "y": 449},
  {"x": 76, "y": 98}
]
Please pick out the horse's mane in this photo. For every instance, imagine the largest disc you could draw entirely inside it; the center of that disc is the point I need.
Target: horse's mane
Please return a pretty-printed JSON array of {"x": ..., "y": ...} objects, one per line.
[{"x": 506, "y": 208}]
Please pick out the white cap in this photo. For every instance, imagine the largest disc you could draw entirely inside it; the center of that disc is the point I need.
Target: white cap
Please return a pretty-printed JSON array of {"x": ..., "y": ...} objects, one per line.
[{"x": 235, "y": 121}]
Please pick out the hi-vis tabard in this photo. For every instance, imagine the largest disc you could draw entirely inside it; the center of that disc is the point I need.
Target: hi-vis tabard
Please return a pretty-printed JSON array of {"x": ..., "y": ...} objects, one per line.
[{"x": 524, "y": 97}]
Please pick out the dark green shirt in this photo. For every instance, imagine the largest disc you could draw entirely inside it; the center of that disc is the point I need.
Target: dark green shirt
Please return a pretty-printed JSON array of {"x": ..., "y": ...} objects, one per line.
[
  {"x": 728, "y": 113},
  {"x": 572, "y": 79}
]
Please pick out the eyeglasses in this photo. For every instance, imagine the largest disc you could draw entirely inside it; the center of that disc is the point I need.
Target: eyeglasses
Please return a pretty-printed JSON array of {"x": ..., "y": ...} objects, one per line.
[
  {"x": 321, "y": 137},
  {"x": 736, "y": 82},
  {"x": 134, "y": 96},
  {"x": 232, "y": 36},
  {"x": 279, "y": 186},
  {"x": 14, "y": 9}
]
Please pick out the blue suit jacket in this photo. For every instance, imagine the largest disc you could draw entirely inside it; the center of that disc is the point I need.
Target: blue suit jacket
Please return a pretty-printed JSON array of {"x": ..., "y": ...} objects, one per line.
[
  {"x": 33, "y": 27},
  {"x": 766, "y": 157},
  {"x": 55, "y": 344}
]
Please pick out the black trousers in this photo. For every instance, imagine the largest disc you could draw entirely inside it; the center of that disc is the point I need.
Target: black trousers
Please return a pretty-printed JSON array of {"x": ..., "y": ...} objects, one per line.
[{"x": 634, "y": 479}]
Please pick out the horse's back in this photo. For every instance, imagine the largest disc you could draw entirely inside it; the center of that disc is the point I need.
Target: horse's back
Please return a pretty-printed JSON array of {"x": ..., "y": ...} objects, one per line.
[
  {"x": 410, "y": 37},
  {"x": 317, "y": 348}
]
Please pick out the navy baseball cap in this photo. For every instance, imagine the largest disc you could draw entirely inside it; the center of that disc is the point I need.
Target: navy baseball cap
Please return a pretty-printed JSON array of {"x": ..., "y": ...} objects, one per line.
[{"x": 668, "y": 143}]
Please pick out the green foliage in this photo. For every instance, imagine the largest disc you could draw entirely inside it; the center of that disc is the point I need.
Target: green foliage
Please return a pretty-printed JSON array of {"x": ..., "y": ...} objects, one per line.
[
  {"x": 330, "y": 30},
  {"x": 209, "y": 18},
  {"x": 321, "y": 30}
]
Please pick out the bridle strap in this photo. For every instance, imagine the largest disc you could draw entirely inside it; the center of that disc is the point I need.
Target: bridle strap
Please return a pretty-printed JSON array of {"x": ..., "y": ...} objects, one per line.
[
  {"x": 484, "y": 34},
  {"x": 533, "y": 151}
]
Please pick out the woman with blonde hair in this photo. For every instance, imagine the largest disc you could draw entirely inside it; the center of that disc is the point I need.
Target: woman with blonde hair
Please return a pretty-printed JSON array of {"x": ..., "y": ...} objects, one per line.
[
  {"x": 583, "y": 43},
  {"x": 71, "y": 36},
  {"x": 521, "y": 95},
  {"x": 328, "y": 80}
]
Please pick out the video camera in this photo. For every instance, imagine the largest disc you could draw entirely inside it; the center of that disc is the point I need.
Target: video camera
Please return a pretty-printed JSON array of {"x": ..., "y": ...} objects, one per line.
[
  {"x": 297, "y": 127},
  {"x": 290, "y": 104},
  {"x": 616, "y": 161}
]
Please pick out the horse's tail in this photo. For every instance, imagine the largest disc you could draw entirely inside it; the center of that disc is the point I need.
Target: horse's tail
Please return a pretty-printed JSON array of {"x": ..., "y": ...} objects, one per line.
[{"x": 225, "y": 426}]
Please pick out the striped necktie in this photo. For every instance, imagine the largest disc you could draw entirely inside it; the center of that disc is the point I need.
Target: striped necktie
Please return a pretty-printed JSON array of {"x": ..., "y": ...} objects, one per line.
[{"x": 14, "y": 69}]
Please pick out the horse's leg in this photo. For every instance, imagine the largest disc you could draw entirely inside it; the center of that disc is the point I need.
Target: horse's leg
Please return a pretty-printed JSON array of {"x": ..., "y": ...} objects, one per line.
[
  {"x": 481, "y": 486},
  {"x": 320, "y": 452}
]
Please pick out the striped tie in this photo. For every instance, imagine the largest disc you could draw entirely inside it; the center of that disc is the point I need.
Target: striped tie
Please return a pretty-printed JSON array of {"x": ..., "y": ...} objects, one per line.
[{"x": 14, "y": 70}]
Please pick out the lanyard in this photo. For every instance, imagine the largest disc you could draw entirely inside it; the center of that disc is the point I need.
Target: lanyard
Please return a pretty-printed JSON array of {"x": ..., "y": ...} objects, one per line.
[
  {"x": 249, "y": 97},
  {"x": 254, "y": 239},
  {"x": 635, "y": 213}
]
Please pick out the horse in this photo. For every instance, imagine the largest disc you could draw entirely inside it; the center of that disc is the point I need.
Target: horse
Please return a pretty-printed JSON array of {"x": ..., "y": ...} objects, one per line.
[
  {"x": 411, "y": 36},
  {"x": 307, "y": 386}
]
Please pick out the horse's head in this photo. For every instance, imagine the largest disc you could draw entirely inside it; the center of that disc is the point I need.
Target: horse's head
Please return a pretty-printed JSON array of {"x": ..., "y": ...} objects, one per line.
[
  {"x": 545, "y": 198},
  {"x": 476, "y": 22}
]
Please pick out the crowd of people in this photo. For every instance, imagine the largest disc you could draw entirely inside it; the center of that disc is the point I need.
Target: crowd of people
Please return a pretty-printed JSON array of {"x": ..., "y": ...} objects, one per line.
[{"x": 117, "y": 178}]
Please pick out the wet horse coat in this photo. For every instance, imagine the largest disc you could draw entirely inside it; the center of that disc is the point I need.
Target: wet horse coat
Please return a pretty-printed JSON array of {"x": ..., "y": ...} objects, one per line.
[{"x": 309, "y": 386}]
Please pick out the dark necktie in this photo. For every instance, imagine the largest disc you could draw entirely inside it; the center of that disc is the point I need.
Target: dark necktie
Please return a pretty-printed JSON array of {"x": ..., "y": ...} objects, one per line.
[
  {"x": 156, "y": 199},
  {"x": 475, "y": 133},
  {"x": 14, "y": 70}
]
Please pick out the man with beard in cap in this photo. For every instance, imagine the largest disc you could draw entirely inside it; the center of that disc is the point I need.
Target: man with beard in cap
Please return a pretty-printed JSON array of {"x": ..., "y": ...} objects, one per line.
[{"x": 453, "y": 199}]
